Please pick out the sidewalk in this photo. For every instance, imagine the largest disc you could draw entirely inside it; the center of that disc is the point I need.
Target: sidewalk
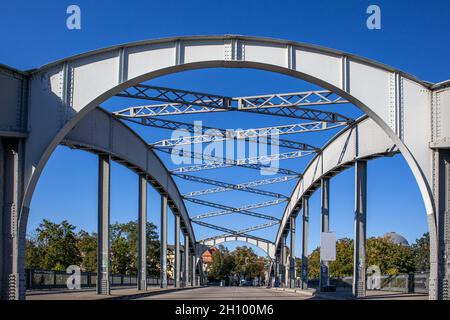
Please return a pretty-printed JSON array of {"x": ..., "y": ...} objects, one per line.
[
  {"x": 91, "y": 294},
  {"x": 347, "y": 294}
]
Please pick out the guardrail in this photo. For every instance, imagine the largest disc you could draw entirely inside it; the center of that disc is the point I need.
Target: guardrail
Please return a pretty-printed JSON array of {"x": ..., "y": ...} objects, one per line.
[
  {"x": 405, "y": 283},
  {"x": 51, "y": 279}
]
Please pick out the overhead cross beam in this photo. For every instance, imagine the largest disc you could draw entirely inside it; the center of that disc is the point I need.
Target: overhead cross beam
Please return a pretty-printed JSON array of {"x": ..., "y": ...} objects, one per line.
[
  {"x": 245, "y": 133},
  {"x": 185, "y": 102},
  {"x": 252, "y": 162},
  {"x": 229, "y": 210},
  {"x": 174, "y": 96},
  {"x": 239, "y": 233},
  {"x": 251, "y": 135},
  {"x": 224, "y": 186},
  {"x": 242, "y": 233}
]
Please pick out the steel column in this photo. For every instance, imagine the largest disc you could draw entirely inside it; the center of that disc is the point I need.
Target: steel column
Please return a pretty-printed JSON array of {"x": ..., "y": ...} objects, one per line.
[
  {"x": 324, "y": 271},
  {"x": 275, "y": 273},
  {"x": 12, "y": 275},
  {"x": 186, "y": 260},
  {"x": 142, "y": 234},
  {"x": 194, "y": 265},
  {"x": 443, "y": 218},
  {"x": 283, "y": 262},
  {"x": 163, "y": 248},
  {"x": 292, "y": 275},
  {"x": 103, "y": 243},
  {"x": 177, "y": 266},
  {"x": 359, "y": 259},
  {"x": 305, "y": 229}
]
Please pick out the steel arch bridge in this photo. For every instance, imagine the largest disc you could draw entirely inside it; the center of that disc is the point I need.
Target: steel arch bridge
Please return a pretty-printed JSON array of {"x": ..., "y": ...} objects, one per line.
[{"x": 58, "y": 104}]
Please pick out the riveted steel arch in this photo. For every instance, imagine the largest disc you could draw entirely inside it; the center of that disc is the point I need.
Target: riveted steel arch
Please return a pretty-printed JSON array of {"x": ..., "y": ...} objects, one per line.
[{"x": 67, "y": 90}]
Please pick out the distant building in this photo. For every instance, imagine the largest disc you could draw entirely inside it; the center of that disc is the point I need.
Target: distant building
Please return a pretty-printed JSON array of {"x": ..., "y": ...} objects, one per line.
[
  {"x": 207, "y": 257},
  {"x": 396, "y": 238}
]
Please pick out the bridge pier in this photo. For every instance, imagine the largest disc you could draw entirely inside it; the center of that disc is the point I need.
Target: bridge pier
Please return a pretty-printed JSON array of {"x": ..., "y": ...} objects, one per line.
[
  {"x": 305, "y": 229},
  {"x": 163, "y": 244},
  {"x": 292, "y": 273},
  {"x": 325, "y": 213},
  {"x": 177, "y": 278},
  {"x": 186, "y": 260},
  {"x": 359, "y": 259},
  {"x": 142, "y": 234},
  {"x": 103, "y": 224}
]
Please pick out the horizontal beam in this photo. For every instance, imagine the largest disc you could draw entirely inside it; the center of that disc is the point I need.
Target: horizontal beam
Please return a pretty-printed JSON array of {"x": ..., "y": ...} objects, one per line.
[
  {"x": 251, "y": 162},
  {"x": 187, "y": 102},
  {"x": 243, "y": 232},
  {"x": 173, "y": 96},
  {"x": 225, "y": 185},
  {"x": 229, "y": 210}
]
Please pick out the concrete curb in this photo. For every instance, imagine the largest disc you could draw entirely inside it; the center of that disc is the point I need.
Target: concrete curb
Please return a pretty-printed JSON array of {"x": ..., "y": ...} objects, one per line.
[
  {"x": 307, "y": 292},
  {"x": 144, "y": 294}
]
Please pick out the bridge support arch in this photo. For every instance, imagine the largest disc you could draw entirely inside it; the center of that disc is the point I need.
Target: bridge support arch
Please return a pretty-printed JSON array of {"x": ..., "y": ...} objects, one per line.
[{"x": 411, "y": 112}]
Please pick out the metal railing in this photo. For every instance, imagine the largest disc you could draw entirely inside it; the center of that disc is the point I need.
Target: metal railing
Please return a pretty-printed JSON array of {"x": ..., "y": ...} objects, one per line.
[{"x": 38, "y": 279}]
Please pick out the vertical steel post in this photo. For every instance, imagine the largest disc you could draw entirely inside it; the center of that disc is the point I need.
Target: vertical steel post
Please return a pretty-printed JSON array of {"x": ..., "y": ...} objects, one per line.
[
  {"x": 104, "y": 188},
  {"x": 177, "y": 266},
  {"x": 194, "y": 265},
  {"x": 443, "y": 222},
  {"x": 359, "y": 259},
  {"x": 324, "y": 271},
  {"x": 142, "y": 234},
  {"x": 186, "y": 260},
  {"x": 276, "y": 283},
  {"x": 163, "y": 237},
  {"x": 283, "y": 261},
  {"x": 305, "y": 230},
  {"x": 292, "y": 273}
]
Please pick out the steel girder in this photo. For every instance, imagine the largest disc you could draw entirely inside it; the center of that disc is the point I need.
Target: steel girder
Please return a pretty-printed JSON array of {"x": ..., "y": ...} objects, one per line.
[
  {"x": 179, "y": 103},
  {"x": 245, "y": 133},
  {"x": 226, "y": 186},
  {"x": 229, "y": 210},
  {"x": 240, "y": 232},
  {"x": 174, "y": 96},
  {"x": 237, "y": 233},
  {"x": 252, "y": 163}
]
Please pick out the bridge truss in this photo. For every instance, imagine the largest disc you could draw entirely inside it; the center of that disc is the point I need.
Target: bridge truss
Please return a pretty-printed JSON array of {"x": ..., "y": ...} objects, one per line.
[{"x": 298, "y": 105}]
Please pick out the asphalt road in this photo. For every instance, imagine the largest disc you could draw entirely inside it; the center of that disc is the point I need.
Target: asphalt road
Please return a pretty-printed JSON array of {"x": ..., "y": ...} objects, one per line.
[{"x": 228, "y": 293}]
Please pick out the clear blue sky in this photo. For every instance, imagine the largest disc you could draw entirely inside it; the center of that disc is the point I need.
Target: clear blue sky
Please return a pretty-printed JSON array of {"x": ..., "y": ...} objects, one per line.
[{"x": 414, "y": 38}]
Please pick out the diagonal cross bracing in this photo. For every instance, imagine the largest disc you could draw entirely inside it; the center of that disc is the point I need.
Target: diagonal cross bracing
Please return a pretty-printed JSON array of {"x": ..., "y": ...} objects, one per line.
[
  {"x": 184, "y": 102},
  {"x": 224, "y": 186},
  {"x": 242, "y": 233},
  {"x": 174, "y": 96},
  {"x": 229, "y": 210},
  {"x": 234, "y": 232},
  {"x": 251, "y": 162},
  {"x": 204, "y": 130}
]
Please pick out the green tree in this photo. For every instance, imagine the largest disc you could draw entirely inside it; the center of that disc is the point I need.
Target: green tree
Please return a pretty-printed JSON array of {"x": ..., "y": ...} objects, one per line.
[
  {"x": 87, "y": 245},
  {"x": 222, "y": 265},
  {"x": 247, "y": 263},
  {"x": 57, "y": 245},
  {"x": 421, "y": 249}
]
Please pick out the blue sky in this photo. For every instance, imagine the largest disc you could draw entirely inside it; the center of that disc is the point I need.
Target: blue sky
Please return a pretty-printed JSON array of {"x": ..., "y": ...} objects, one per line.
[{"x": 413, "y": 38}]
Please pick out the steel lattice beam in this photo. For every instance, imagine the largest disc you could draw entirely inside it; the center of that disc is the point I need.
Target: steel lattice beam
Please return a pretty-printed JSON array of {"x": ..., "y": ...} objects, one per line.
[
  {"x": 287, "y": 104},
  {"x": 241, "y": 233},
  {"x": 174, "y": 97},
  {"x": 229, "y": 210},
  {"x": 234, "y": 134},
  {"x": 245, "y": 133},
  {"x": 224, "y": 186},
  {"x": 252, "y": 163},
  {"x": 237, "y": 233}
]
